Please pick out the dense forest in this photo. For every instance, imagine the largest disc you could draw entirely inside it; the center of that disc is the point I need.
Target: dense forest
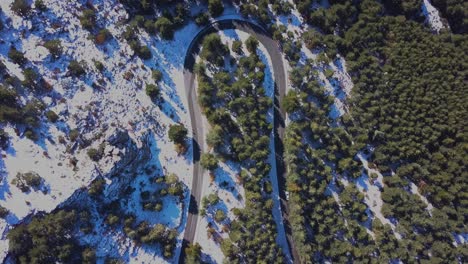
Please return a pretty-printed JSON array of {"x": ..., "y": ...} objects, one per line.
[
  {"x": 409, "y": 103},
  {"x": 236, "y": 106}
]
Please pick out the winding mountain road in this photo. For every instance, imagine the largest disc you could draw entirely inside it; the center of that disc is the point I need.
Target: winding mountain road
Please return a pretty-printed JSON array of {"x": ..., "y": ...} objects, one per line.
[{"x": 275, "y": 54}]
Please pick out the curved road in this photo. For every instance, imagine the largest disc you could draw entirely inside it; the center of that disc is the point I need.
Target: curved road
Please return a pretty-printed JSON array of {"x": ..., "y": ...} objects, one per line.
[{"x": 275, "y": 54}]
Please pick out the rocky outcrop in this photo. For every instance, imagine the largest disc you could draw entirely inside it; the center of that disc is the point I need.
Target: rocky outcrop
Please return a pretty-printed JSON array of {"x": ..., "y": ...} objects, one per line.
[{"x": 121, "y": 174}]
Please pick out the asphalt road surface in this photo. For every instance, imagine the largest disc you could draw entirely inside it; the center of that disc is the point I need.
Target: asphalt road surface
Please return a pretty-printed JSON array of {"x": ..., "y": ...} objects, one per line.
[{"x": 275, "y": 54}]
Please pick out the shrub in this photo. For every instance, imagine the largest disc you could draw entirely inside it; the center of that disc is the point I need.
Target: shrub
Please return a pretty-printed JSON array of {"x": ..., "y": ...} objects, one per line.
[
  {"x": 178, "y": 133},
  {"x": 215, "y": 7},
  {"x": 39, "y": 5},
  {"x": 157, "y": 75},
  {"x": 52, "y": 116},
  {"x": 55, "y": 47},
  {"x": 328, "y": 73},
  {"x": 16, "y": 56},
  {"x": 74, "y": 134},
  {"x": 193, "y": 253},
  {"x": 213, "y": 49},
  {"x": 176, "y": 189},
  {"x": 102, "y": 36},
  {"x": 89, "y": 256},
  {"x": 158, "y": 207},
  {"x": 3, "y": 212},
  {"x": 31, "y": 112},
  {"x": 202, "y": 19},
  {"x": 76, "y": 68},
  {"x": 144, "y": 53},
  {"x": 97, "y": 187},
  {"x": 88, "y": 19},
  {"x": 21, "y": 7},
  {"x": 165, "y": 27},
  {"x": 129, "y": 33},
  {"x": 4, "y": 139},
  {"x": 112, "y": 219},
  {"x": 237, "y": 46},
  {"x": 31, "y": 135},
  {"x": 210, "y": 200},
  {"x": 28, "y": 180},
  {"x": 99, "y": 66},
  {"x": 209, "y": 161},
  {"x": 172, "y": 179},
  {"x": 219, "y": 216},
  {"x": 251, "y": 43},
  {"x": 214, "y": 138},
  {"x": 150, "y": 26},
  {"x": 152, "y": 91},
  {"x": 8, "y": 97},
  {"x": 145, "y": 195},
  {"x": 30, "y": 77},
  {"x": 94, "y": 154}
]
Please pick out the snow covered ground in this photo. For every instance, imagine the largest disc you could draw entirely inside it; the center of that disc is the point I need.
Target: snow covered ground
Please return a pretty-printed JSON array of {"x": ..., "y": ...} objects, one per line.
[
  {"x": 118, "y": 101},
  {"x": 432, "y": 16}
]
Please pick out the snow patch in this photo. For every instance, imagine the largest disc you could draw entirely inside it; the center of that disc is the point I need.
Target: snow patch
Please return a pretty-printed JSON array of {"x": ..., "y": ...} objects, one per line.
[
  {"x": 415, "y": 190},
  {"x": 432, "y": 16},
  {"x": 372, "y": 191}
]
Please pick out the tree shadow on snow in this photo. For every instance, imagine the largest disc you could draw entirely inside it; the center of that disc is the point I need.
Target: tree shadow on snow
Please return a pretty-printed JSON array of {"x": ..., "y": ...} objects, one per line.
[
  {"x": 169, "y": 110},
  {"x": 224, "y": 180}
]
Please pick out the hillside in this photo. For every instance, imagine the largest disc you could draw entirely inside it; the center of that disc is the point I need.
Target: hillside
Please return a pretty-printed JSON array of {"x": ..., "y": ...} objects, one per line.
[{"x": 282, "y": 131}]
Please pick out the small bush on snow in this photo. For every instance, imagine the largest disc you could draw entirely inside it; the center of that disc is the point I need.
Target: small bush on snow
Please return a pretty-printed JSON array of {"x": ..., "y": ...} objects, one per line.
[
  {"x": 3, "y": 212},
  {"x": 94, "y": 154},
  {"x": 88, "y": 19},
  {"x": 157, "y": 75},
  {"x": 144, "y": 53},
  {"x": 219, "y": 216},
  {"x": 152, "y": 91},
  {"x": 4, "y": 139},
  {"x": 76, "y": 68},
  {"x": 102, "y": 36},
  {"x": 39, "y": 5},
  {"x": 16, "y": 56},
  {"x": 55, "y": 47},
  {"x": 74, "y": 134},
  {"x": 209, "y": 161},
  {"x": 165, "y": 27},
  {"x": 21, "y": 7},
  {"x": 30, "y": 77},
  {"x": 202, "y": 19},
  {"x": 52, "y": 116},
  {"x": 99, "y": 66},
  {"x": 177, "y": 133},
  {"x": 28, "y": 180}
]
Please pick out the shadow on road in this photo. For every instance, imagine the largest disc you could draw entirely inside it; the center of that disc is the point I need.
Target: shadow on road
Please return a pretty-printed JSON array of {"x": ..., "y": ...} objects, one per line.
[
  {"x": 196, "y": 150},
  {"x": 193, "y": 207}
]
